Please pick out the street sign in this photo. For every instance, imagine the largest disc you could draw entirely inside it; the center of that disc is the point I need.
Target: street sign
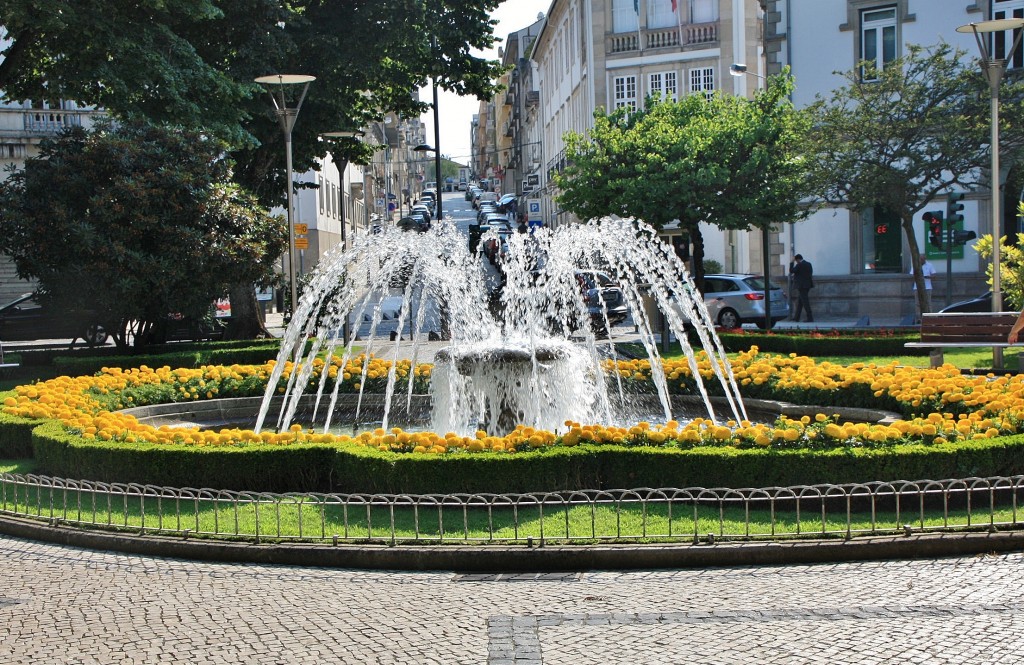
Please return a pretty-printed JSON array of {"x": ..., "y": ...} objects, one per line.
[
  {"x": 302, "y": 243},
  {"x": 534, "y": 207},
  {"x": 302, "y": 229},
  {"x": 534, "y": 180},
  {"x": 380, "y": 203}
]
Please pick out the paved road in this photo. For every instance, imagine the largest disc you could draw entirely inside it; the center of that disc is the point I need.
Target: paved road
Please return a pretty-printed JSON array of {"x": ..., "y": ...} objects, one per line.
[{"x": 63, "y": 605}]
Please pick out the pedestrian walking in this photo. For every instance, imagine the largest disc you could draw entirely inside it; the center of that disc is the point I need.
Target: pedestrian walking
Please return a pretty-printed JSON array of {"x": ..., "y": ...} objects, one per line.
[{"x": 801, "y": 272}]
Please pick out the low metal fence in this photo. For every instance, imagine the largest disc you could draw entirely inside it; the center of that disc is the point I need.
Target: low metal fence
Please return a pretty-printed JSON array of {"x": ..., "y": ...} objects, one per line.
[{"x": 635, "y": 515}]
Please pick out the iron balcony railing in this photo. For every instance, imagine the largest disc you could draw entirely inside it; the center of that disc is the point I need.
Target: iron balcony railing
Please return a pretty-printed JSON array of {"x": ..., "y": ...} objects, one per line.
[{"x": 664, "y": 515}]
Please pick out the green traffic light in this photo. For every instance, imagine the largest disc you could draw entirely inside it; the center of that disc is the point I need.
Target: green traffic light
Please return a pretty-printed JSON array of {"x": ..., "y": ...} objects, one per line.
[{"x": 953, "y": 207}]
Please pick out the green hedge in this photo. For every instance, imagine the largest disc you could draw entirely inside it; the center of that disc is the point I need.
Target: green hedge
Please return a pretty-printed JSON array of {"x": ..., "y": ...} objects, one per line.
[
  {"x": 825, "y": 345},
  {"x": 85, "y": 365},
  {"x": 352, "y": 469},
  {"x": 44, "y": 357},
  {"x": 15, "y": 433},
  {"x": 256, "y": 468}
]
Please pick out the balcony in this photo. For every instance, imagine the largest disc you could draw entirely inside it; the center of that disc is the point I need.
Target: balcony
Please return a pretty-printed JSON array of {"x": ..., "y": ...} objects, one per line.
[
  {"x": 47, "y": 121},
  {"x": 691, "y": 34},
  {"x": 533, "y": 98}
]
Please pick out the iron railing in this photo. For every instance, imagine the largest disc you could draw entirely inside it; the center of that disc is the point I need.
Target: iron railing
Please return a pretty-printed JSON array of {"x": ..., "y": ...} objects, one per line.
[{"x": 654, "y": 515}]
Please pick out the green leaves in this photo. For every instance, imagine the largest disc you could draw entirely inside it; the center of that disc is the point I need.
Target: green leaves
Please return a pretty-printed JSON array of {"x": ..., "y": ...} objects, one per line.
[
  {"x": 134, "y": 223},
  {"x": 727, "y": 161}
]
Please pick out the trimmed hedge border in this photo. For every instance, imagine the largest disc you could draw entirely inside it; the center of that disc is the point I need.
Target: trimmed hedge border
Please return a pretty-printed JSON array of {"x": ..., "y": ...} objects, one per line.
[
  {"x": 824, "y": 344},
  {"x": 355, "y": 469}
]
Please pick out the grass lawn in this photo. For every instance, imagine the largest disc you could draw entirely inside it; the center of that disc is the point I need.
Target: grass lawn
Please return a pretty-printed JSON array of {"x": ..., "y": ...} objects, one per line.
[
  {"x": 319, "y": 518},
  {"x": 967, "y": 358}
]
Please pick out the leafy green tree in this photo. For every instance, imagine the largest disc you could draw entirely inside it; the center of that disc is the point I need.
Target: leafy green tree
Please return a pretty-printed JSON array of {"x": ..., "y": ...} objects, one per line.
[
  {"x": 899, "y": 137},
  {"x": 728, "y": 161},
  {"x": 135, "y": 223},
  {"x": 193, "y": 63}
]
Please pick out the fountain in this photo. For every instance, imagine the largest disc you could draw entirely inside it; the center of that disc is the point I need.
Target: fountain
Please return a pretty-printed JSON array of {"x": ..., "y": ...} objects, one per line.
[{"x": 523, "y": 343}]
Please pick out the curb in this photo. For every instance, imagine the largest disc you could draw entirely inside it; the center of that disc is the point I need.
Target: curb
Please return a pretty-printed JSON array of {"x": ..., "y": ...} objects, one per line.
[{"x": 504, "y": 558}]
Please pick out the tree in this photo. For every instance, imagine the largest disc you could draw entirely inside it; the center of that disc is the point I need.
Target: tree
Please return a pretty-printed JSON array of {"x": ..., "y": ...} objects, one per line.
[
  {"x": 193, "y": 64},
  {"x": 728, "y": 161},
  {"x": 135, "y": 223},
  {"x": 899, "y": 137}
]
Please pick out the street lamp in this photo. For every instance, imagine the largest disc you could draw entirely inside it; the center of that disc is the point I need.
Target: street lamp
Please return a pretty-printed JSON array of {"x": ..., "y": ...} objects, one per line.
[
  {"x": 423, "y": 147},
  {"x": 286, "y": 116},
  {"x": 994, "y": 69},
  {"x": 738, "y": 69}
]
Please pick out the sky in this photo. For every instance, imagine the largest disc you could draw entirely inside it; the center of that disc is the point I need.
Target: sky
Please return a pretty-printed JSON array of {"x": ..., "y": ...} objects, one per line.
[{"x": 456, "y": 112}]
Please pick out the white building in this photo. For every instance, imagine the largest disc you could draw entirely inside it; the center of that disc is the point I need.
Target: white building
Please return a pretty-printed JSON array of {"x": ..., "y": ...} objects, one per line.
[
  {"x": 612, "y": 53},
  {"x": 861, "y": 258}
]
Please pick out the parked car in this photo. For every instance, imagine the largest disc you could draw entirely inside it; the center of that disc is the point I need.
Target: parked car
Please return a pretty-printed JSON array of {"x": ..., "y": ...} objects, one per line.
[
  {"x": 507, "y": 203},
  {"x": 421, "y": 208},
  {"x": 484, "y": 210},
  {"x": 496, "y": 219},
  {"x": 472, "y": 192},
  {"x": 743, "y": 300},
  {"x": 25, "y": 318},
  {"x": 597, "y": 286},
  {"x": 414, "y": 221},
  {"x": 982, "y": 303}
]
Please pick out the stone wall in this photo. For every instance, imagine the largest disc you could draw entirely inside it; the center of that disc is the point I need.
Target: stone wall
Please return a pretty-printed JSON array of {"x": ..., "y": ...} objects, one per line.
[{"x": 883, "y": 297}]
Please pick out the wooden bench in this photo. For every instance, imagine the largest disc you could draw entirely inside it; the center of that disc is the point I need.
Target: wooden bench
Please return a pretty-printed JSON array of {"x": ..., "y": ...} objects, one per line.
[
  {"x": 974, "y": 329},
  {"x": 3, "y": 363}
]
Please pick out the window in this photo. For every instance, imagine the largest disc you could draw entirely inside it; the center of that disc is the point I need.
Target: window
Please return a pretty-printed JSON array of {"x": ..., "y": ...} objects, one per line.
[
  {"x": 702, "y": 79},
  {"x": 660, "y": 14},
  {"x": 703, "y": 11},
  {"x": 323, "y": 193},
  {"x": 624, "y": 16},
  {"x": 877, "y": 39},
  {"x": 663, "y": 84},
  {"x": 881, "y": 241},
  {"x": 625, "y": 92},
  {"x": 1003, "y": 40}
]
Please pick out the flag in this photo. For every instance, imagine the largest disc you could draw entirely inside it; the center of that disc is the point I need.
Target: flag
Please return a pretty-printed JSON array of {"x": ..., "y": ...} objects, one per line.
[
  {"x": 636, "y": 7},
  {"x": 675, "y": 6}
]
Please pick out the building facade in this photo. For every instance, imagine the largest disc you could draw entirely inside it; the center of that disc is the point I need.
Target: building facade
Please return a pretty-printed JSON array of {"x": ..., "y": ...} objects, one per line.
[
  {"x": 608, "y": 54},
  {"x": 861, "y": 257}
]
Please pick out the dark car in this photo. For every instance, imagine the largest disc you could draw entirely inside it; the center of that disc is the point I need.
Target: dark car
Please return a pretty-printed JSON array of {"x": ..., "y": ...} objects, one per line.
[
  {"x": 25, "y": 318},
  {"x": 982, "y": 303}
]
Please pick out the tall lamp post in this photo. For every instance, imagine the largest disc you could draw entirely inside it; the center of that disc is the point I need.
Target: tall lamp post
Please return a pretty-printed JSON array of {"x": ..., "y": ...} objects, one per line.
[
  {"x": 994, "y": 69},
  {"x": 286, "y": 115},
  {"x": 738, "y": 69}
]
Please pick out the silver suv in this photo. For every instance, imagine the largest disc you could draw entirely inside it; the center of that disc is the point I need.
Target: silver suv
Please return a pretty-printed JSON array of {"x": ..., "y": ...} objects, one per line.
[{"x": 742, "y": 300}]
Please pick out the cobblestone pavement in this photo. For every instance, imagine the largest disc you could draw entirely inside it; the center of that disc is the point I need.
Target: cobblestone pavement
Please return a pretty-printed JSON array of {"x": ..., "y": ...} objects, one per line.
[{"x": 64, "y": 605}]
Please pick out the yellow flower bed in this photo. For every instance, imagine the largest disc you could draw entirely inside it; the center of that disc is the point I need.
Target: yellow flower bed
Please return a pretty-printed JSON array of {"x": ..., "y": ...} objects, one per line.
[{"x": 953, "y": 407}]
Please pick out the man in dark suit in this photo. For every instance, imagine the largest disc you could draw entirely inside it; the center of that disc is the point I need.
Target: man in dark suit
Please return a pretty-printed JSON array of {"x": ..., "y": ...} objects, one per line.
[{"x": 801, "y": 272}]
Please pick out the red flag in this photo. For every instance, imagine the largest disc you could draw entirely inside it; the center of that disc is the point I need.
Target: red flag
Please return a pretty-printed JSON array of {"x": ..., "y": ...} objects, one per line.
[{"x": 675, "y": 6}]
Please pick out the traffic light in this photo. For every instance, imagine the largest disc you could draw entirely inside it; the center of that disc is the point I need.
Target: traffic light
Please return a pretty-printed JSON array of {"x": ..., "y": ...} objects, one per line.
[
  {"x": 954, "y": 207},
  {"x": 934, "y": 220},
  {"x": 962, "y": 237}
]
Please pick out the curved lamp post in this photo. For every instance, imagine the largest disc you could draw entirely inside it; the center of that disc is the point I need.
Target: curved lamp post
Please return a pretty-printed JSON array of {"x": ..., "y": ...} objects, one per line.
[
  {"x": 994, "y": 69},
  {"x": 738, "y": 69},
  {"x": 286, "y": 115}
]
